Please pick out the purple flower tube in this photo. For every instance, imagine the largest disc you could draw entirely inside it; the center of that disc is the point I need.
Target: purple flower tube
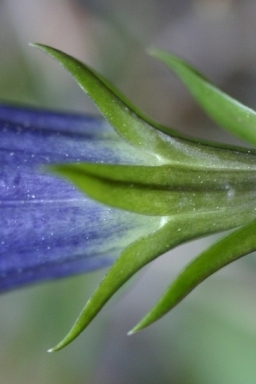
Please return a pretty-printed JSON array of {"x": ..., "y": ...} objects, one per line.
[{"x": 48, "y": 229}]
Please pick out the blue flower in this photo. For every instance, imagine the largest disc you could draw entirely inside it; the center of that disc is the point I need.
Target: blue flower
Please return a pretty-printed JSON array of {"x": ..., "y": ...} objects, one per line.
[
  {"x": 48, "y": 229},
  {"x": 155, "y": 189}
]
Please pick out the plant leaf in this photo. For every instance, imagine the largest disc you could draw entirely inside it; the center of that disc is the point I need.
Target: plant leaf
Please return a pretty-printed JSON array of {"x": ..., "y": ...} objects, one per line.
[
  {"x": 163, "y": 190},
  {"x": 138, "y": 129},
  {"x": 120, "y": 113},
  {"x": 223, "y": 109},
  {"x": 172, "y": 232},
  {"x": 239, "y": 243}
]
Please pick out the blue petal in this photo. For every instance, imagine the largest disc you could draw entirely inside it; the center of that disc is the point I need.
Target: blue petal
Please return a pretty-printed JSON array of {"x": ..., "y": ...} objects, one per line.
[
  {"x": 70, "y": 137},
  {"x": 48, "y": 229}
]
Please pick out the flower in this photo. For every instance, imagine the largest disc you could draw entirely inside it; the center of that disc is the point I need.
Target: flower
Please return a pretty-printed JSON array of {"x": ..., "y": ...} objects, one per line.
[
  {"x": 49, "y": 229},
  {"x": 155, "y": 189}
]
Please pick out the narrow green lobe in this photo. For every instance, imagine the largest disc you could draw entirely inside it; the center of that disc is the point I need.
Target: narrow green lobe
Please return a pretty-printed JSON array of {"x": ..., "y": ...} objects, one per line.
[
  {"x": 232, "y": 247},
  {"x": 232, "y": 115}
]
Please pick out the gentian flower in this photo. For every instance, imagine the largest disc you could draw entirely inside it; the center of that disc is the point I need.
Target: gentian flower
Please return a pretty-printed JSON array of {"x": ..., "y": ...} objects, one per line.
[
  {"x": 49, "y": 229},
  {"x": 152, "y": 187}
]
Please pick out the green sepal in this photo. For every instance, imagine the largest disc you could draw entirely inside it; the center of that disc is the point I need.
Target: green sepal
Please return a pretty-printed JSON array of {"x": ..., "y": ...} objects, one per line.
[
  {"x": 80, "y": 76},
  {"x": 172, "y": 232},
  {"x": 239, "y": 243},
  {"x": 121, "y": 114},
  {"x": 205, "y": 188},
  {"x": 164, "y": 190},
  {"x": 138, "y": 129},
  {"x": 232, "y": 115}
]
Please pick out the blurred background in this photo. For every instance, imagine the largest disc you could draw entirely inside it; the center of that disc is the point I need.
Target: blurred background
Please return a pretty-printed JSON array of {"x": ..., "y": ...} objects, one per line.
[{"x": 210, "y": 338}]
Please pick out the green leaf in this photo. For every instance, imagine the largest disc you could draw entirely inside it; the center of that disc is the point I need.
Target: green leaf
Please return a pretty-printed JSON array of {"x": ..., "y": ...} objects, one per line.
[
  {"x": 226, "y": 111},
  {"x": 167, "y": 176},
  {"x": 195, "y": 188},
  {"x": 139, "y": 130},
  {"x": 164, "y": 190},
  {"x": 173, "y": 231},
  {"x": 232, "y": 247},
  {"x": 120, "y": 113},
  {"x": 81, "y": 77}
]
